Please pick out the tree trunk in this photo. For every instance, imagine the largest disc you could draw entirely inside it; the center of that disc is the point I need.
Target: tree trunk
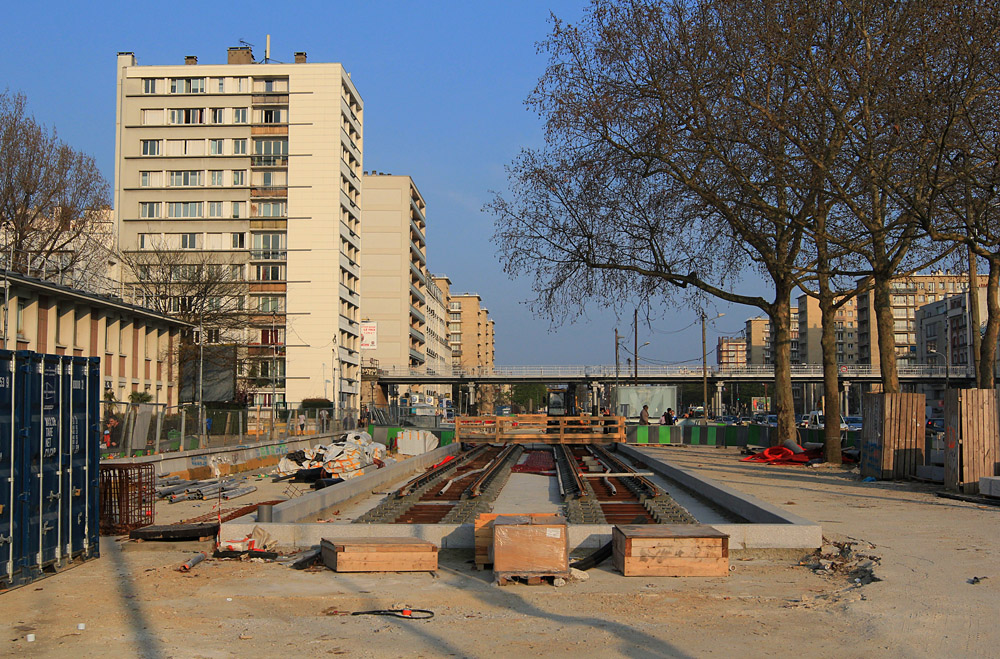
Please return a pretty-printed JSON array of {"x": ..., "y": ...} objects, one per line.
[
  {"x": 886, "y": 326},
  {"x": 781, "y": 345},
  {"x": 974, "y": 317},
  {"x": 831, "y": 381},
  {"x": 987, "y": 359}
]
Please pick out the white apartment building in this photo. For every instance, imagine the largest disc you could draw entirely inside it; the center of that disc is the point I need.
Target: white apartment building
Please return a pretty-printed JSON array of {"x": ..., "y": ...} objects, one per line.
[{"x": 255, "y": 166}]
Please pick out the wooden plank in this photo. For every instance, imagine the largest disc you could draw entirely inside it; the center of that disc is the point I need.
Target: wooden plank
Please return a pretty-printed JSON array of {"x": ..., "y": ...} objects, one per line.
[
  {"x": 668, "y": 531},
  {"x": 395, "y": 562},
  {"x": 674, "y": 567},
  {"x": 673, "y": 551}
]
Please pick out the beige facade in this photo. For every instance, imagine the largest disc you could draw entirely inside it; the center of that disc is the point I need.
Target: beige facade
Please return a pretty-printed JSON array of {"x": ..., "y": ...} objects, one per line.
[
  {"x": 731, "y": 352},
  {"x": 137, "y": 347},
  {"x": 257, "y": 166},
  {"x": 907, "y": 295},
  {"x": 810, "y": 330},
  {"x": 472, "y": 345},
  {"x": 759, "y": 349}
]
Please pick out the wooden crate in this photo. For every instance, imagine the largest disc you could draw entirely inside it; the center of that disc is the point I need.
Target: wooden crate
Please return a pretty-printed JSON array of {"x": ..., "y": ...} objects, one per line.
[
  {"x": 483, "y": 529},
  {"x": 893, "y": 435},
  {"x": 379, "y": 555},
  {"x": 530, "y": 546},
  {"x": 670, "y": 550},
  {"x": 971, "y": 437}
]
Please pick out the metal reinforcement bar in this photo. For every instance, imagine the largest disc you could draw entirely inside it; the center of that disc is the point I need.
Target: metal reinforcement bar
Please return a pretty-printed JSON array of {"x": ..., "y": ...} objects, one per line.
[
  {"x": 569, "y": 476},
  {"x": 437, "y": 472}
]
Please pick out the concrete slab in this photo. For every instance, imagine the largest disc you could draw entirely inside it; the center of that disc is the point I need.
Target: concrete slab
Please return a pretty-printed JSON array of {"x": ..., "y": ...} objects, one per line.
[
  {"x": 930, "y": 473},
  {"x": 990, "y": 486},
  {"x": 532, "y": 493}
]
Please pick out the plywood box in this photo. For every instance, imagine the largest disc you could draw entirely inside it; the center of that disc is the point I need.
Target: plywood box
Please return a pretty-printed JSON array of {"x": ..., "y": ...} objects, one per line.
[
  {"x": 483, "y": 529},
  {"x": 670, "y": 550},
  {"x": 893, "y": 435},
  {"x": 527, "y": 545},
  {"x": 379, "y": 555}
]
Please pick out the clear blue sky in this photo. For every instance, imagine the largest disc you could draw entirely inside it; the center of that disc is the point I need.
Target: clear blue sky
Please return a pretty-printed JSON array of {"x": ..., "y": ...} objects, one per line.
[{"x": 443, "y": 84}]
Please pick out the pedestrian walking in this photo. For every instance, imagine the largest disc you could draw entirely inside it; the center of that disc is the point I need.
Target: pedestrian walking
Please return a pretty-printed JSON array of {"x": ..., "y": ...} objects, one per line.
[
  {"x": 644, "y": 416},
  {"x": 302, "y": 423},
  {"x": 668, "y": 417}
]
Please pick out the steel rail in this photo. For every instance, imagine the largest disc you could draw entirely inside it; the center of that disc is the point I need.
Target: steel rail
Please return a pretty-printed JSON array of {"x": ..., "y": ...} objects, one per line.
[
  {"x": 570, "y": 464},
  {"x": 604, "y": 456},
  {"x": 440, "y": 470},
  {"x": 476, "y": 487}
]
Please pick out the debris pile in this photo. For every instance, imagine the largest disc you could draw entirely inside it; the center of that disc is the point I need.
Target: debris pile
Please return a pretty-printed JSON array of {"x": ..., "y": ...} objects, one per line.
[
  {"x": 173, "y": 489},
  {"x": 346, "y": 457},
  {"x": 851, "y": 559}
]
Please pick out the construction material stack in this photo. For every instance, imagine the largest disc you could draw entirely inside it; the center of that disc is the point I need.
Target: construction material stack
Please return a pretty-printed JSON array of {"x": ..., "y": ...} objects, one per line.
[
  {"x": 670, "y": 550},
  {"x": 379, "y": 555},
  {"x": 529, "y": 547}
]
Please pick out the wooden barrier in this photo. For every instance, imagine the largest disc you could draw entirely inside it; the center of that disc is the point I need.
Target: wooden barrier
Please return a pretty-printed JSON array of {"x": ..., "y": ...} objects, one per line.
[
  {"x": 540, "y": 429},
  {"x": 971, "y": 439},
  {"x": 892, "y": 435}
]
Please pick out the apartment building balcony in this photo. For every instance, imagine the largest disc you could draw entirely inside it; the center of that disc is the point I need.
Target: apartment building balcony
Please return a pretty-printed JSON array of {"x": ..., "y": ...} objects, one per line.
[
  {"x": 350, "y": 205},
  {"x": 267, "y": 287},
  {"x": 416, "y": 272},
  {"x": 416, "y": 313},
  {"x": 348, "y": 325},
  {"x": 417, "y": 356},
  {"x": 269, "y": 98},
  {"x": 417, "y": 254},
  {"x": 350, "y": 295},
  {"x": 266, "y": 350},
  {"x": 270, "y": 162},
  {"x": 418, "y": 335},
  {"x": 268, "y": 255},
  {"x": 348, "y": 112},
  {"x": 260, "y": 130},
  {"x": 415, "y": 293},
  {"x": 349, "y": 265},
  {"x": 269, "y": 192}
]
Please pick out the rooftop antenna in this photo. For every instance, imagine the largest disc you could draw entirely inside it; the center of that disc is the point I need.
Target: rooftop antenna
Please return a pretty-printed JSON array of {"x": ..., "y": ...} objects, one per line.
[
  {"x": 267, "y": 50},
  {"x": 244, "y": 42}
]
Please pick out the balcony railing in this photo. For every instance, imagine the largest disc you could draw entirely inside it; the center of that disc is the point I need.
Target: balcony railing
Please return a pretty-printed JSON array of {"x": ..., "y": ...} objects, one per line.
[
  {"x": 268, "y": 255},
  {"x": 269, "y": 191},
  {"x": 268, "y": 161}
]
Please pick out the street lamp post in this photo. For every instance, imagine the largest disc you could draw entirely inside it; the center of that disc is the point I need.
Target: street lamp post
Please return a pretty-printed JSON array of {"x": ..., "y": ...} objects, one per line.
[
  {"x": 274, "y": 363},
  {"x": 704, "y": 369},
  {"x": 336, "y": 379},
  {"x": 201, "y": 375}
]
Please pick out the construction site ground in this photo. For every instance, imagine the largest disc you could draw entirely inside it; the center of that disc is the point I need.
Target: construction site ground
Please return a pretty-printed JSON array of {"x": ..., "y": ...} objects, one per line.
[{"x": 929, "y": 549}]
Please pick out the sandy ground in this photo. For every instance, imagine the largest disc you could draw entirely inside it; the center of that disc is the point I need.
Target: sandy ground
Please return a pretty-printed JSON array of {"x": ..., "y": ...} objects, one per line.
[{"x": 135, "y": 603}]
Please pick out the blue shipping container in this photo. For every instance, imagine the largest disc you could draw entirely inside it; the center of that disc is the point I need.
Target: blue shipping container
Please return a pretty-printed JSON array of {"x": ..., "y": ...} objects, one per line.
[{"x": 49, "y": 463}]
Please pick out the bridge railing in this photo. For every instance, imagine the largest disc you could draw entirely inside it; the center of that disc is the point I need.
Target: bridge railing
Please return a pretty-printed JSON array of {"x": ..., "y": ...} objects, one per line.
[{"x": 609, "y": 372}]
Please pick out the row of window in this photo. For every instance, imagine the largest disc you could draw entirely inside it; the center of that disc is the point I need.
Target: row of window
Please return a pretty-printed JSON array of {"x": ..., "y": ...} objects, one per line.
[
  {"x": 264, "y": 242},
  {"x": 214, "y": 116},
  {"x": 200, "y": 85},
  {"x": 216, "y": 209},
  {"x": 187, "y": 178},
  {"x": 211, "y": 147}
]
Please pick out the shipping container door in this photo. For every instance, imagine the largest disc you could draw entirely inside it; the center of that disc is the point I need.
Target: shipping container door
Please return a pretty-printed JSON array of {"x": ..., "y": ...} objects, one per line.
[
  {"x": 11, "y": 505},
  {"x": 93, "y": 474},
  {"x": 42, "y": 396}
]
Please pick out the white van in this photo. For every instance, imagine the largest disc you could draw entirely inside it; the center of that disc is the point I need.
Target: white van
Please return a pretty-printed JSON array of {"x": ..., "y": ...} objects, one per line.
[{"x": 817, "y": 421}]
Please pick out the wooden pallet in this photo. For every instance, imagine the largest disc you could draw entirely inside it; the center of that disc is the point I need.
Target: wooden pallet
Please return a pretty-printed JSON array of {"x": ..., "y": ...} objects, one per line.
[
  {"x": 483, "y": 528},
  {"x": 670, "y": 550},
  {"x": 379, "y": 555},
  {"x": 530, "y": 578}
]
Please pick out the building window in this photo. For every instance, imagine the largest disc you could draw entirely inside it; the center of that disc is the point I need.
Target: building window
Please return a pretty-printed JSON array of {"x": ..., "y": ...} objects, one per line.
[
  {"x": 151, "y": 147},
  {"x": 455, "y": 316},
  {"x": 189, "y": 241},
  {"x": 272, "y": 116},
  {"x": 270, "y": 147},
  {"x": 239, "y": 115},
  {"x": 149, "y": 85},
  {"x": 269, "y": 273},
  {"x": 239, "y": 147},
  {"x": 217, "y": 117},
  {"x": 149, "y": 209},
  {"x": 187, "y": 85},
  {"x": 215, "y": 177},
  {"x": 187, "y": 178},
  {"x": 152, "y": 117},
  {"x": 236, "y": 272},
  {"x": 211, "y": 335},
  {"x": 146, "y": 240},
  {"x": 20, "y": 316},
  {"x": 215, "y": 147},
  {"x": 185, "y": 116},
  {"x": 150, "y": 179},
  {"x": 239, "y": 177},
  {"x": 184, "y": 209},
  {"x": 269, "y": 304},
  {"x": 271, "y": 209},
  {"x": 215, "y": 209},
  {"x": 239, "y": 240},
  {"x": 220, "y": 85},
  {"x": 238, "y": 209}
]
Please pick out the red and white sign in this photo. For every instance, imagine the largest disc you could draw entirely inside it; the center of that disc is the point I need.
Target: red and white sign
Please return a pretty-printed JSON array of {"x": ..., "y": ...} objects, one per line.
[{"x": 369, "y": 335}]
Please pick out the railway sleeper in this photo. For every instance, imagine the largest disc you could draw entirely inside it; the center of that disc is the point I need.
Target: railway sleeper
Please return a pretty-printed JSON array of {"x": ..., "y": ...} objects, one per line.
[{"x": 667, "y": 511}]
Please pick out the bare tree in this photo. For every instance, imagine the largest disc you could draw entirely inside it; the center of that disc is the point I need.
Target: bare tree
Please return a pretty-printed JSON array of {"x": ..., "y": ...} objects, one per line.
[
  {"x": 204, "y": 289},
  {"x": 50, "y": 194}
]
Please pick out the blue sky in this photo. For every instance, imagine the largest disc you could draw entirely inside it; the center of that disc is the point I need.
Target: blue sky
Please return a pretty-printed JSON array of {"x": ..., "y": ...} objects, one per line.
[{"x": 443, "y": 84}]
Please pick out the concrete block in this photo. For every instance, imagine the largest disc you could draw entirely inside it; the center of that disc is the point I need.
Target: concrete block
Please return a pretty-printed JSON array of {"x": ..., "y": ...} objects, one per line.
[
  {"x": 936, "y": 457},
  {"x": 990, "y": 486}
]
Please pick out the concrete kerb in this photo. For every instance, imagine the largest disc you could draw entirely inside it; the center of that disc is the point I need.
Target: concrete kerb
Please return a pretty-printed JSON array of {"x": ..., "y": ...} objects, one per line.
[{"x": 769, "y": 527}]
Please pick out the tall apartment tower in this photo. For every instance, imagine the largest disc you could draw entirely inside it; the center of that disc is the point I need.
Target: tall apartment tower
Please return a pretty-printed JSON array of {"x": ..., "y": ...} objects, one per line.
[
  {"x": 811, "y": 331},
  {"x": 471, "y": 331},
  {"x": 758, "y": 336},
  {"x": 907, "y": 295},
  {"x": 258, "y": 164},
  {"x": 731, "y": 352}
]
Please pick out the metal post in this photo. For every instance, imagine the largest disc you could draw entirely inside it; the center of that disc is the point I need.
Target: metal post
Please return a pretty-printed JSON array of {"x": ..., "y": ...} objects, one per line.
[
  {"x": 183, "y": 428},
  {"x": 635, "y": 345},
  {"x": 274, "y": 360},
  {"x": 201, "y": 378},
  {"x": 336, "y": 378},
  {"x": 159, "y": 430},
  {"x": 617, "y": 370},
  {"x": 704, "y": 374}
]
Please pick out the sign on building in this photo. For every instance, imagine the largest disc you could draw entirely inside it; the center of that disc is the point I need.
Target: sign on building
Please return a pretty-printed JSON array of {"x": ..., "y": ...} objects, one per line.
[
  {"x": 369, "y": 373},
  {"x": 369, "y": 335}
]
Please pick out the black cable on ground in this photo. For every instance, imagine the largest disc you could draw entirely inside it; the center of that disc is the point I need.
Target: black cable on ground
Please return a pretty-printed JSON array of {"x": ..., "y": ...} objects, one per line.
[{"x": 409, "y": 614}]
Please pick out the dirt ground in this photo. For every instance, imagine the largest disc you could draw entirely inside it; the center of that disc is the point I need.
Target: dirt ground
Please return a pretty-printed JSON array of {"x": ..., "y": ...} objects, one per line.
[{"x": 135, "y": 603}]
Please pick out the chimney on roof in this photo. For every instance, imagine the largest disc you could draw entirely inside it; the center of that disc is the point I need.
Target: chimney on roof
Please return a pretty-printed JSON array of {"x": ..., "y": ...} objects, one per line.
[
  {"x": 190, "y": 60},
  {"x": 300, "y": 57},
  {"x": 240, "y": 55}
]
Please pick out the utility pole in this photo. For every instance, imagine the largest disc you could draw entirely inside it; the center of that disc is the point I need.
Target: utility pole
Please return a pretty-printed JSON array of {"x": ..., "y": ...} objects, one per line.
[
  {"x": 704, "y": 373},
  {"x": 635, "y": 345},
  {"x": 617, "y": 368},
  {"x": 274, "y": 362},
  {"x": 336, "y": 379},
  {"x": 201, "y": 373}
]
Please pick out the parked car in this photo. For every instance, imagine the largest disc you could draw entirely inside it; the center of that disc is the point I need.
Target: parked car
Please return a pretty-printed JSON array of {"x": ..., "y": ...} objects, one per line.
[
  {"x": 935, "y": 425},
  {"x": 853, "y": 423},
  {"x": 772, "y": 420},
  {"x": 802, "y": 420},
  {"x": 817, "y": 421}
]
